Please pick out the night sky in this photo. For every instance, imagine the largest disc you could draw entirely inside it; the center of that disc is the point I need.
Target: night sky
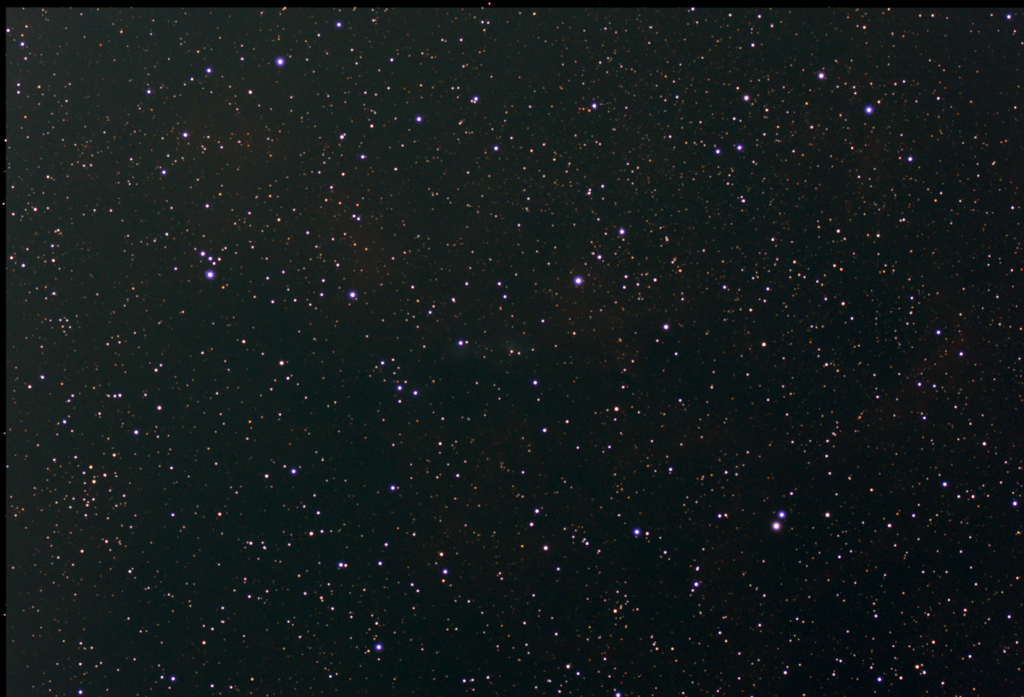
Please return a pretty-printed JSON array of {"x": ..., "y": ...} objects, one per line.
[{"x": 513, "y": 352}]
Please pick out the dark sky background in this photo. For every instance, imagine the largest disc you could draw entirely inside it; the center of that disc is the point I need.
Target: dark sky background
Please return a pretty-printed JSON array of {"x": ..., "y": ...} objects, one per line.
[{"x": 514, "y": 352}]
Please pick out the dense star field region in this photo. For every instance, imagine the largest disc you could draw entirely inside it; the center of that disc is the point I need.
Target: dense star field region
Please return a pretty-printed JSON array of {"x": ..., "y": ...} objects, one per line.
[{"x": 616, "y": 353}]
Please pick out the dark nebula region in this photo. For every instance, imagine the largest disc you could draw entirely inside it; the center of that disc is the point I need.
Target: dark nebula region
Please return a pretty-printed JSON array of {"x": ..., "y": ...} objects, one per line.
[{"x": 609, "y": 353}]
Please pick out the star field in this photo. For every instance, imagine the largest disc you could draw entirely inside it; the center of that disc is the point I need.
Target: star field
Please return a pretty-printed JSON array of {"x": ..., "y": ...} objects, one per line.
[{"x": 514, "y": 352}]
